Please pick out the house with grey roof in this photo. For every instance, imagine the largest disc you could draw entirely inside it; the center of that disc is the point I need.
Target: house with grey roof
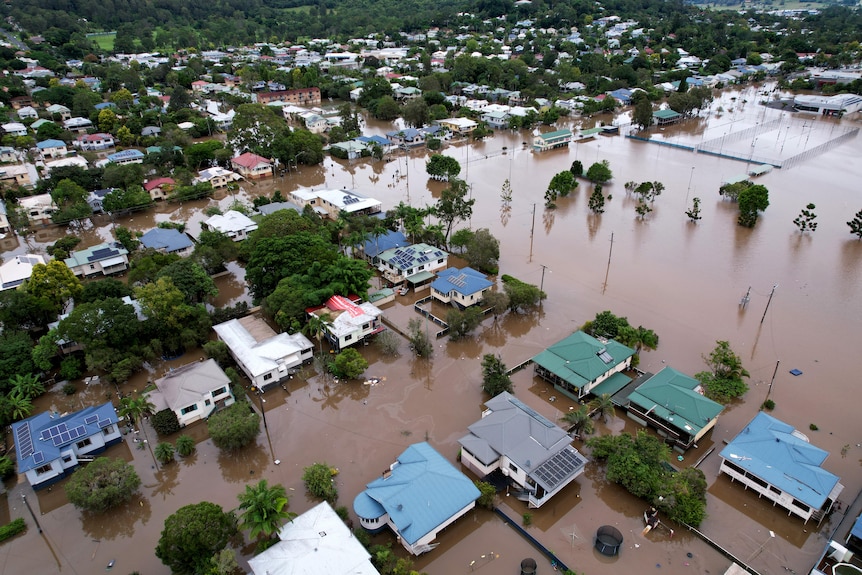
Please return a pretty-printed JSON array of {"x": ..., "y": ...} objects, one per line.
[
  {"x": 193, "y": 391},
  {"x": 673, "y": 404},
  {"x": 317, "y": 541},
  {"x": 460, "y": 287},
  {"x": 102, "y": 259},
  {"x": 48, "y": 446},
  {"x": 168, "y": 241},
  {"x": 272, "y": 207},
  {"x": 777, "y": 462},
  {"x": 414, "y": 264},
  {"x": 533, "y": 452},
  {"x": 420, "y": 494},
  {"x": 265, "y": 356},
  {"x": 581, "y": 364}
]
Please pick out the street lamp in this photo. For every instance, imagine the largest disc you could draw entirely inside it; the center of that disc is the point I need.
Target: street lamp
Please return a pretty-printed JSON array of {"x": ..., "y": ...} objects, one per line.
[
  {"x": 262, "y": 411},
  {"x": 33, "y": 515}
]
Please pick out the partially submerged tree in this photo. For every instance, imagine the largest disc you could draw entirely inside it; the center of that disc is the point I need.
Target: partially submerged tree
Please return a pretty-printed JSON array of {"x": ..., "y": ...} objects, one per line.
[
  {"x": 724, "y": 382},
  {"x": 494, "y": 377},
  {"x": 420, "y": 343},
  {"x": 752, "y": 201},
  {"x": 348, "y": 364},
  {"x": 234, "y": 427},
  {"x": 193, "y": 535},
  {"x": 463, "y": 322},
  {"x": 579, "y": 421},
  {"x": 522, "y": 296},
  {"x": 600, "y": 172},
  {"x": 102, "y": 484},
  {"x": 441, "y": 167},
  {"x": 263, "y": 509},
  {"x": 805, "y": 220},
  {"x": 319, "y": 481},
  {"x": 856, "y": 225},
  {"x": 694, "y": 212}
]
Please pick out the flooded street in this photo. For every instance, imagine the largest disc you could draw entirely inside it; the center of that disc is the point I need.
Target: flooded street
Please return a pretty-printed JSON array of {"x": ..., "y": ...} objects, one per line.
[{"x": 680, "y": 279}]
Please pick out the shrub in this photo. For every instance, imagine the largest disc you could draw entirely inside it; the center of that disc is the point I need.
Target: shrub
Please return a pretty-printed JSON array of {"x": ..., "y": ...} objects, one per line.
[
  {"x": 318, "y": 479},
  {"x": 488, "y": 493},
  {"x": 769, "y": 405},
  {"x": 102, "y": 484},
  {"x": 69, "y": 389},
  {"x": 12, "y": 529},
  {"x": 234, "y": 427},
  {"x": 813, "y": 427},
  {"x": 70, "y": 367},
  {"x": 528, "y": 518},
  {"x": 7, "y": 467},
  {"x": 164, "y": 452},
  {"x": 185, "y": 445},
  {"x": 348, "y": 364},
  {"x": 165, "y": 422}
]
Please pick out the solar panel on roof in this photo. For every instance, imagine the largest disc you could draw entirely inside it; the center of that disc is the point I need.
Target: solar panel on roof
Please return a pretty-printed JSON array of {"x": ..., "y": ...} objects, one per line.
[
  {"x": 62, "y": 438},
  {"x": 102, "y": 254},
  {"x": 559, "y": 467},
  {"x": 38, "y": 457},
  {"x": 25, "y": 441},
  {"x": 91, "y": 419},
  {"x": 105, "y": 423}
]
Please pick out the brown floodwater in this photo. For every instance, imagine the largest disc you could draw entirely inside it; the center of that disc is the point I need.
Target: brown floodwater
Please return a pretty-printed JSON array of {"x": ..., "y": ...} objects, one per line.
[{"x": 680, "y": 279}]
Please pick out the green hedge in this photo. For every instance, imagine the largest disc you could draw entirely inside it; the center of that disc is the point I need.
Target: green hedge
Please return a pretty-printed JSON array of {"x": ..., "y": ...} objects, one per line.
[{"x": 12, "y": 529}]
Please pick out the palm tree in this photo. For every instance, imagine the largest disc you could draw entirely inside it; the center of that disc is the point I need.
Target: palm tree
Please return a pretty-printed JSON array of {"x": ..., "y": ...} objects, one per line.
[
  {"x": 263, "y": 509},
  {"x": 27, "y": 385},
  {"x": 135, "y": 408},
  {"x": 19, "y": 405},
  {"x": 185, "y": 445},
  {"x": 579, "y": 420},
  {"x": 164, "y": 452},
  {"x": 603, "y": 406},
  {"x": 316, "y": 326}
]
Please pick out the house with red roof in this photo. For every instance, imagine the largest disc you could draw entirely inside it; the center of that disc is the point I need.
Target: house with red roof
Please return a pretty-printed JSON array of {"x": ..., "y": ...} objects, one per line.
[
  {"x": 251, "y": 166},
  {"x": 94, "y": 142},
  {"x": 160, "y": 188}
]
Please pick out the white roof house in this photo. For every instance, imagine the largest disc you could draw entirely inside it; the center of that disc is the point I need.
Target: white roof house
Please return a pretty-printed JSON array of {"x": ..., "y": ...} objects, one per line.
[
  {"x": 193, "y": 391},
  {"x": 38, "y": 207},
  {"x": 332, "y": 202},
  {"x": 233, "y": 224},
  {"x": 216, "y": 176},
  {"x": 350, "y": 322},
  {"x": 17, "y": 270},
  {"x": 317, "y": 541},
  {"x": 266, "y": 357}
]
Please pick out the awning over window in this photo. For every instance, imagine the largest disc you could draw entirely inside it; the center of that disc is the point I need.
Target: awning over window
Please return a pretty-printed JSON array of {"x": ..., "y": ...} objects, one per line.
[
  {"x": 111, "y": 262},
  {"x": 420, "y": 277}
]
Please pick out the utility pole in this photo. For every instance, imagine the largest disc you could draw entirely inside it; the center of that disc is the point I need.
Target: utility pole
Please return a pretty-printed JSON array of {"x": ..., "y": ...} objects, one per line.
[
  {"x": 542, "y": 284},
  {"x": 608, "y": 270},
  {"x": 689, "y": 185},
  {"x": 532, "y": 229},
  {"x": 768, "y": 302},
  {"x": 33, "y": 515},
  {"x": 743, "y": 303},
  {"x": 774, "y": 373}
]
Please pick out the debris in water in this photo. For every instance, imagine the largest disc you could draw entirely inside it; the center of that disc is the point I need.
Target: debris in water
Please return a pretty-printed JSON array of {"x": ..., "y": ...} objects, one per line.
[{"x": 110, "y": 565}]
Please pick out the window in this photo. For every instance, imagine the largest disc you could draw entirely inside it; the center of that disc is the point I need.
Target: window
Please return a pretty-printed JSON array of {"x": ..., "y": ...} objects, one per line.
[
  {"x": 108, "y": 430},
  {"x": 84, "y": 443},
  {"x": 440, "y": 261},
  {"x": 207, "y": 402},
  {"x": 800, "y": 505},
  {"x": 189, "y": 409},
  {"x": 267, "y": 377},
  {"x": 67, "y": 458},
  {"x": 219, "y": 391},
  {"x": 513, "y": 467},
  {"x": 348, "y": 337},
  {"x": 43, "y": 470},
  {"x": 365, "y": 325}
]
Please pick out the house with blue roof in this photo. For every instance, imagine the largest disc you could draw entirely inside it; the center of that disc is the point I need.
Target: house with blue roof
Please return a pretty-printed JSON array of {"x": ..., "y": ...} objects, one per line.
[
  {"x": 777, "y": 462},
  {"x": 130, "y": 156},
  {"x": 168, "y": 241},
  {"x": 417, "y": 497},
  {"x": 52, "y": 148},
  {"x": 375, "y": 245},
  {"x": 461, "y": 287},
  {"x": 414, "y": 264},
  {"x": 49, "y": 446},
  {"x": 581, "y": 364},
  {"x": 533, "y": 453},
  {"x": 385, "y": 144},
  {"x": 673, "y": 404},
  {"x": 406, "y": 137}
]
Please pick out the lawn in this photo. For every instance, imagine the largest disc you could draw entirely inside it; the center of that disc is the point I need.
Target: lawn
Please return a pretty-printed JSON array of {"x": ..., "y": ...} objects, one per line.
[{"x": 104, "y": 40}]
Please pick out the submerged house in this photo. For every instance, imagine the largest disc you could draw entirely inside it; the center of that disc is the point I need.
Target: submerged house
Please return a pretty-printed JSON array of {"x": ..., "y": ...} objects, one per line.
[
  {"x": 582, "y": 364},
  {"x": 552, "y": 140},
  {"x": 416, "y": 264},
  {"x": 193, "y": 391},
  {"x": 460, "y": 287},
  {"x": 534, "y": 453},
  {"x": 674, "y": 405},
  {"x": 349, "y": 321},
  {"x": 49, "y": 446},
  {"x": 777, "y": 462},
  {"x": 417, "y": 497}
]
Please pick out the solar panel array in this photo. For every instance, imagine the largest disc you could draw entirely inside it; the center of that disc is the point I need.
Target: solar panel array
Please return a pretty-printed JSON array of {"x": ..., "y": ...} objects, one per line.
[
  {"x": 605, "y": 356},
  {"x": 559, "y": 467},
  {"x": 459, "y": 281},
  {"x": 102, "y": 253},
  {"x": 60, "y": 434},
  {"x": 25, "y": 441},
  {"x": 350, "y": 200},
  {"x": 53, "y": 431},
  {"x": 90, "y": 420}
]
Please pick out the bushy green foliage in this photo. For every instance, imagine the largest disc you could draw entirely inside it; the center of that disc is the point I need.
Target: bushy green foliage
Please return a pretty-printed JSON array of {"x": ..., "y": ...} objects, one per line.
[
  {"x": 348, "y": 364},
  {"x": 234, "y": 427},
  {"x": 488, "y": 493},
  {"x": 639, "y": 463},
  {"x": 522, "y": 296},
  {"x": 724, "y": 382},
  {"x": 599, "y": 172},
  {"x": 463, "y": 322},
  {"x": 419, "y": 340},
  {"x": 164, "y": 452},
  {"x": 193, "y": 535},
  {"x": 494, "y": 378},
  {"x": 7, "y": 467},
  {"x": 102, "y": 484},
  {"x": 12, "y": 529},
  {"x": 319, "y": 481},
  {"x": 185, "y": 445},
  {"x": 165, "y": 422}
]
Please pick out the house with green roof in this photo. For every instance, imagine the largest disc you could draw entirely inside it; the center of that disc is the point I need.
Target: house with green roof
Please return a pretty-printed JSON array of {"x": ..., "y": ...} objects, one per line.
[
  {"x": 417, "y": 497},
  {"x": 777, "y": 462},
  {"x": 674, "y": 405},
  {"x": 582, "y": 364},
  {"x": 551, "y": 140},
  {"x": 666, "y": 117}
]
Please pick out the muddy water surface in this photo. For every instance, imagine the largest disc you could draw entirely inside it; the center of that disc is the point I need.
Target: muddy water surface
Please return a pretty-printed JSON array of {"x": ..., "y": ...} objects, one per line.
[{"x": 683, "y": 280}]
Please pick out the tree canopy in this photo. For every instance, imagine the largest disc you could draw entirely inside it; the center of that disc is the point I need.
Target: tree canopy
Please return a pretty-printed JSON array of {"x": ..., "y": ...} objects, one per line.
[
  {"x": 102, "y": 484},
  {"x": 193, "y": 535}
]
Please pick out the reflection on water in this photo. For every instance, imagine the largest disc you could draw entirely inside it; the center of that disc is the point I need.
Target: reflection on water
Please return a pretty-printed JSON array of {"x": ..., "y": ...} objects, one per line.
[{"x": 122, "y": 519}]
